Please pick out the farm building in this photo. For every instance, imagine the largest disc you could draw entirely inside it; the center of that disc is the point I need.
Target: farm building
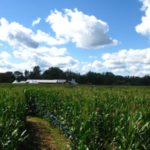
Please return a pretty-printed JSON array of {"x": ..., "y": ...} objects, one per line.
[
  {"x": 38, "y": 81},
  {"x": 57, "y": 81}
]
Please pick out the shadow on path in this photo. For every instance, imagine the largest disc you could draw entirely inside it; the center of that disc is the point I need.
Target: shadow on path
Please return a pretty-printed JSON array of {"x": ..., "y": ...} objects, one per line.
[{"x": 43, "y": 136}]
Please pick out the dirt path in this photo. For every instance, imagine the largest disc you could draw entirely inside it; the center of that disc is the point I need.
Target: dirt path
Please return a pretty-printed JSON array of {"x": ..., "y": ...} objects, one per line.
[{"x": 43, "y": 136}]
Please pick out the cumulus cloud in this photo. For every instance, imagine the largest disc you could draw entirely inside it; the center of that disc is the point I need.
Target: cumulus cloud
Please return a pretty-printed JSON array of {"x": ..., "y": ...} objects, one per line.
[
  {"x": 22, "y": 38},
  {"x": 30, "y": 48},
  {"x": 144, "y": 27},
  {"x": 128, "y": 62},
  {"x": 133, "y": 62},
  {"x": 5, "y": 61},
  {"x": 43, "y": 56},
  {"x": 43, "y": 37},
  {"x": 36, "y": 21},
  {"x": 95, "y": 66},
  {"x": 85, "y": 31},
  {"x": 4, "y": 57},
  {"x": 46, "y": 57},
  {"x": 16, "y": 34}
]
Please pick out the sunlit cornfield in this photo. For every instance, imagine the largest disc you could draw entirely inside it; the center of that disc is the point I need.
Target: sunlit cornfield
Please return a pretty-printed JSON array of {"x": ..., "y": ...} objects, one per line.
[{"x": 93, "y": 118}]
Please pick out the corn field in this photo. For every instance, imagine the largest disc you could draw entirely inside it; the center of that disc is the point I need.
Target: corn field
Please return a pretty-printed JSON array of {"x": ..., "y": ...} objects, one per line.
[
  {"x": 93, "y": 118},
  {"x": 12, "y": 118}
]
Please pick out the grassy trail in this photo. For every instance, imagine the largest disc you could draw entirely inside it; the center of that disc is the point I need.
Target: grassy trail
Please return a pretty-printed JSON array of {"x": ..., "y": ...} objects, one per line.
[{"x": 43, "y": 136}]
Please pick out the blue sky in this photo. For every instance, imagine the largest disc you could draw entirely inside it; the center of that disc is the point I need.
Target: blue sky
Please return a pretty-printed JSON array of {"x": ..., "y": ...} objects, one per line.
[{"x": 82, "y": 36}]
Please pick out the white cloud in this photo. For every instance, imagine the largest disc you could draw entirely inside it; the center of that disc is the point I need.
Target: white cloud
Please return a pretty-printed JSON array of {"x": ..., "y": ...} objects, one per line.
[
  {"x": 36, "y": 21},
  {"x": 144, "y": 27},
  {"x": 133, "y": 62},
  {"x": 128, "y": 62},
  {"x": 85, "y": 31},
  {"x": 16, "y": 35},
  {"x": 95, "y": 66},
  {"x": 43, "y": 56},
  {"x": 46, "y": 57},
  {"x": 5, "y": 64},
  {"x": 30, "y": 48},
  {"x": 4, "y": 57},
  {"x": 45, "y": 38}
]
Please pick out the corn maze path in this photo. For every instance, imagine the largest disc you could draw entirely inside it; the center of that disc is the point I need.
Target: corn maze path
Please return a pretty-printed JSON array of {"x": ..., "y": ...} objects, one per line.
[{"x": 43, "y": 136}]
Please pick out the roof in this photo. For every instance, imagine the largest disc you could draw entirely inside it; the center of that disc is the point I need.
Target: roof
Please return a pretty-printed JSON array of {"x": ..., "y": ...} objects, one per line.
[{"x": 46, "y": 81}]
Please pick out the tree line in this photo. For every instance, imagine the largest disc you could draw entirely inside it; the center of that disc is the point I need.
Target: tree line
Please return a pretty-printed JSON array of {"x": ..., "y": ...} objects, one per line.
[{"x": 107, "y": 78}]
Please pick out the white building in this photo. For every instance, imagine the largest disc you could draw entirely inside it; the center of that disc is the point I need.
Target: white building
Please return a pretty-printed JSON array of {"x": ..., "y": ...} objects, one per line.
[
  {"x": 38, "y": 81},
  {"x": 34, "y": 81}
]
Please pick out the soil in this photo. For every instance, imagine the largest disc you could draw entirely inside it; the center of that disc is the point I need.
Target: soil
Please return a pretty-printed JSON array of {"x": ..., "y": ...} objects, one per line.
[{"x": 43, "y": 136}]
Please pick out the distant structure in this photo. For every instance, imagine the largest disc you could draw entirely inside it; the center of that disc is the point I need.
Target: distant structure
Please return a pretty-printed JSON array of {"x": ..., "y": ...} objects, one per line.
[
  {"x": 38, "y": 81},
  {"x": 57, "y": 81},
  {"x": 17, "y": 82},
  {"x": 73, "y": 81}
]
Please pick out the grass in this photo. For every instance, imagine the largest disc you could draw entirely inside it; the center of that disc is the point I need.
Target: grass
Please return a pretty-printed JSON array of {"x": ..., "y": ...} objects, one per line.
[{"x": 44, "y": 136}]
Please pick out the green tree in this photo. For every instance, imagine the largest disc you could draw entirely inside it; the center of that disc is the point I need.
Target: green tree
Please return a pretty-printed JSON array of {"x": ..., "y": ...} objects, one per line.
[
  {"x": 53, "y": 73},
  {"x": 36, "y": 73}
]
